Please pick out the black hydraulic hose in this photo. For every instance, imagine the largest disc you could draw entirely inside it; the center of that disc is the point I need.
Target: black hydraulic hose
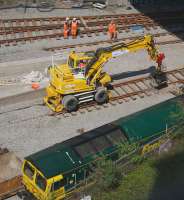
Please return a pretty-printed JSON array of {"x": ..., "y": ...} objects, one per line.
[
  {"x": 100, "y": 51},
  {"x": 90, "y": 64}
]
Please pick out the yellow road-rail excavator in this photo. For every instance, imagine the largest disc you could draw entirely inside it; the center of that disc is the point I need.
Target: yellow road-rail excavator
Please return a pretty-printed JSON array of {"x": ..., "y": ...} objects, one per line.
[{"x": 82, "y": 78}]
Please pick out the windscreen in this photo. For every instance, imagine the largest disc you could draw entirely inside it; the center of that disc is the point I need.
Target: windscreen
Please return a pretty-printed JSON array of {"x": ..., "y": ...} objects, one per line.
[
  {"x": 41, "y": 182},
  {"x": 71, "y": 62},
  {"x": 28, "y": 170}
]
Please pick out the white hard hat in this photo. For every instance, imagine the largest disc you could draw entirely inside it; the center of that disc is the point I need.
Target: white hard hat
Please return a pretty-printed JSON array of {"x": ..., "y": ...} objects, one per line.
[
  {"x": 67, "y": 18},
  {"x": 74, "y": 19}
]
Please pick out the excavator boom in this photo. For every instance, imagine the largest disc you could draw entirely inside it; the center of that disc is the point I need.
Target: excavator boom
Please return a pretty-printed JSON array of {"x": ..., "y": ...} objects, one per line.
[
  {"x": 102, "y": 55},
  {"x": 81, "y": 79}
]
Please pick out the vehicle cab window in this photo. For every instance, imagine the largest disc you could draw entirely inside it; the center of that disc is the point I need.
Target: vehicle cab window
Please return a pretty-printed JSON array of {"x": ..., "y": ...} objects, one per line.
[
  {"x": 71, "y": 62},
  {"x": 82, "y": 64},
  {"x": 29, "y": 171},
  {"x": 41, "y": 182},
  {"x": 58, "y": 184}
]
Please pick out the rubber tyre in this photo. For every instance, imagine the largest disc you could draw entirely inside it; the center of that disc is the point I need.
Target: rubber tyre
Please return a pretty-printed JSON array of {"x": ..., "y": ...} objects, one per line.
[
  {"x": 101, "y": 96},
  {"x": 70, "y": 103}
]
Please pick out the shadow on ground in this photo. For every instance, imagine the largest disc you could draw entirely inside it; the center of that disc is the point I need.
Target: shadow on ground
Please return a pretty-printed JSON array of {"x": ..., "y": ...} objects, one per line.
[
  {"x": 170, "y": 180},
  {"x": 176, "y": 26},
  {"x": 133, "y": 73}
]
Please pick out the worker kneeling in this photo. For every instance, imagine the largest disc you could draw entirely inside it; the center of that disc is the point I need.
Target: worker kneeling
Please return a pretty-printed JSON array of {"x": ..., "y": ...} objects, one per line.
[{"x": 112, "y": 30}]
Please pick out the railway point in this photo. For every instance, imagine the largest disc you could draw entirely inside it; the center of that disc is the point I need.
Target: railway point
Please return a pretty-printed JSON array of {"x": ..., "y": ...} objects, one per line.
[{"x": 91, "y": 99}]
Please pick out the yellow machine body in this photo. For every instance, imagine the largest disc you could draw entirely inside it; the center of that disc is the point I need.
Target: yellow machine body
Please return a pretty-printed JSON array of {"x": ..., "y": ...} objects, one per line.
[
  {"x": 83, "y": 83},
  {"x": 39, "y": 186},
  {"x": 69, "y": 79}
]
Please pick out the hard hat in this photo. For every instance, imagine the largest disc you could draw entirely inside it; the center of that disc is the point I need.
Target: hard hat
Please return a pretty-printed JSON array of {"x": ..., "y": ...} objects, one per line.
[
  {"x": 67, "y": 18},
  {"x": 74, "y": 19}
]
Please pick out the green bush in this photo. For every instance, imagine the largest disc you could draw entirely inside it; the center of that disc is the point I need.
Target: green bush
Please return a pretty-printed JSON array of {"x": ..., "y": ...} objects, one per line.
[
  {"x": 107, "y": 175},
  {"x": 137, "y": 159}
]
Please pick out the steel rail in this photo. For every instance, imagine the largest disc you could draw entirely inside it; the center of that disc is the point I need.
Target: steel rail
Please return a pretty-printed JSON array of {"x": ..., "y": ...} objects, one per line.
[
  {"x": 157, "y": 35},
  {"x": 12, "y": 31},
  {"x": 155, "y": 15},
  {"x": 129, "y": 90},
  {"x": 13, "y": 186},
  {"x": 131, "y": 94},
  {"x": 36, "y": 27}
]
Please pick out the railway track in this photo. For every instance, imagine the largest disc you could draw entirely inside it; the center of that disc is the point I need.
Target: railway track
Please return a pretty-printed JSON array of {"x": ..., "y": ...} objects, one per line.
[
  {"x": 122, "y": 92},
  {"x": 14, "y": 31},
  {"x": 126, "y": 39},
  {"x": 11, "y": 187},
  {"x": 126, "y": 91}
]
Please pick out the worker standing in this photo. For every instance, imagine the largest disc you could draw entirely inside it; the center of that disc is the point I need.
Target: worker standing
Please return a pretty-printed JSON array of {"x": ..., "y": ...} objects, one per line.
[
  {"x": 159, "y": 61},
  {"x": 66, "y": 28},
  {"x": 112, "y": 30},
  {"x": 74, "y": 28}
]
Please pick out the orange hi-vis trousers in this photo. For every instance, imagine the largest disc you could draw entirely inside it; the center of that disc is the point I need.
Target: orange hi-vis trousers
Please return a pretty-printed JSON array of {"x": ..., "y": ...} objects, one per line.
[
  {"x": 112, "y": 31},
  {"x": 74, "y": 29},
  {"x": 66, "y": 31}
]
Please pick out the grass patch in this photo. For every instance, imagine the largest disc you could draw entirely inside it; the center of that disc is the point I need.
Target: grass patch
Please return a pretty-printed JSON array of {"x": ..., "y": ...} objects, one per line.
[{"x": 158, "y": 178}]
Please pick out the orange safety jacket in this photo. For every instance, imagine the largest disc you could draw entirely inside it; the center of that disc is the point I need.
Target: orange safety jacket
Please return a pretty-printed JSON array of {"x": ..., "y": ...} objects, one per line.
[
  {"x": 74, "y": 26},
  {"x": 112, "y": 28},
  {"x": 66, "y": 30},
  {"x": 66, "y": 26}
]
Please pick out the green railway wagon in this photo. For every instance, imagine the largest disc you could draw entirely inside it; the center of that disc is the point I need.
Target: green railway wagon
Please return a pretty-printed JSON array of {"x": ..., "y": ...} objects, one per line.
[{"x": 54, "y": 172}]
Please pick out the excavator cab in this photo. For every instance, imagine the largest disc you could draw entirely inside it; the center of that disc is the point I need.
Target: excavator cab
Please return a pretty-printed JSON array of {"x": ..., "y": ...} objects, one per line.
[
  {"x": 78, "y": 60},
  {"x": 68, "y": 85},
  {"x": 77, "y": 63}
]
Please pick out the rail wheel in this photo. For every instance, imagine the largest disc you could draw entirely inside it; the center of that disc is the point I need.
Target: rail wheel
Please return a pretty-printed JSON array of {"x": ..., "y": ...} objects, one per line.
[
  {"x": 101, "y": 95},
  {"x": 70, "y": 103}
]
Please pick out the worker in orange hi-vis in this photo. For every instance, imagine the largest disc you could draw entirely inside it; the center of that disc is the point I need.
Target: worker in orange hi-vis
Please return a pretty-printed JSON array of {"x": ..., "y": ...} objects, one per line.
[
  {"x": 112, "y": 30},
  {"x": 74, "y": 28},
  {"x": 66, "y": 28}
]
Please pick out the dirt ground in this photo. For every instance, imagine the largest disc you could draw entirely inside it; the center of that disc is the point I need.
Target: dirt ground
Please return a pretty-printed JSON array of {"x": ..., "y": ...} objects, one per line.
[{"x": 10, "y": 166}]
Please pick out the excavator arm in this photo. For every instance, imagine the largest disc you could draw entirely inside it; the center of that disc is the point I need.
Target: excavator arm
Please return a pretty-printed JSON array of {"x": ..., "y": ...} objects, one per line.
[
  {"x": 94, "y": 68},
  {"x": 68, "y": 88}
]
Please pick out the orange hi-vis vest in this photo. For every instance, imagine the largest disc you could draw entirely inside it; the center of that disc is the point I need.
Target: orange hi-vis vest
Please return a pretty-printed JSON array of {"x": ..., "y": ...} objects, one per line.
[
  {"x": 66, "y": 30},
  {"x": 74, "y": 25},
  {"x": 74, "y": 29},
  {"x": 66, "y": 26},
  {"x": 112, "y": 28}
]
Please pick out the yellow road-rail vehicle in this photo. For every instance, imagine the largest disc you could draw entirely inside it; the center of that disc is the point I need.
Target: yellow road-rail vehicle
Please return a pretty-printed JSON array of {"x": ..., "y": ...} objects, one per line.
[
  {"x": 55, "y": 172},
  {"x": 82, "y": 78}
]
